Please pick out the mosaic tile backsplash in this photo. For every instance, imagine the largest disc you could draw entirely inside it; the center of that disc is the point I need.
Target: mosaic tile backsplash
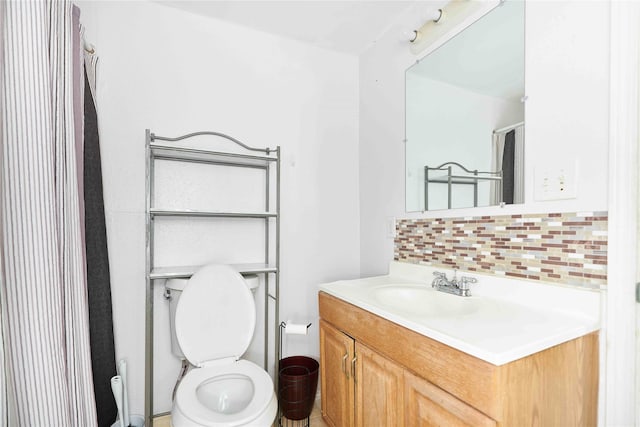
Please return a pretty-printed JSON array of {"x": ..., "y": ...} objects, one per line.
[{"x": 568, "y": 248}]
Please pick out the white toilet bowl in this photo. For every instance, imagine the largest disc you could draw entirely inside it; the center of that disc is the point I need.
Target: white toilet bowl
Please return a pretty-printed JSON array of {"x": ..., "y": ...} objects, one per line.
[
  {"x": 236, "y": 394},
  {"x": 215, "y": 320}
]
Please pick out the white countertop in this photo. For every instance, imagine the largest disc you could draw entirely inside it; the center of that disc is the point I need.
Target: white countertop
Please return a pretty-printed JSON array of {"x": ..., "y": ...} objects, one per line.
[{"x": 503, "y": 321}]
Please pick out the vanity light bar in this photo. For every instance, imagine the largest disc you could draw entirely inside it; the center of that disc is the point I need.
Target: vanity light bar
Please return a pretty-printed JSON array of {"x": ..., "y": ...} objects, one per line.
[
  {"x": 435, "y": 17},
  {"x": 459, "y": 14}
]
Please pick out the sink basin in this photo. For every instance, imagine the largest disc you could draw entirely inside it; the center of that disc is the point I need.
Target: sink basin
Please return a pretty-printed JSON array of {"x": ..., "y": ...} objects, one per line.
[{"x": 420, "y": 300}]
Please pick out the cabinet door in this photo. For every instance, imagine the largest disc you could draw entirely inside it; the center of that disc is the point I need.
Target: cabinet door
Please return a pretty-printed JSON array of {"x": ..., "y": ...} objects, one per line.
[
  {"x": 429, "y": 406},
  {"x": 336, "y": 353},
  {"x": 379, "y": 389}
]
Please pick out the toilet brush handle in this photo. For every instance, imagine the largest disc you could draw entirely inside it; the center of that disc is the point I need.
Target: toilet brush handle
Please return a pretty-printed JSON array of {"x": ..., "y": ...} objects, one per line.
[
  {"x": 122, "y": 370},
  {"x": 116, "y": 388}
]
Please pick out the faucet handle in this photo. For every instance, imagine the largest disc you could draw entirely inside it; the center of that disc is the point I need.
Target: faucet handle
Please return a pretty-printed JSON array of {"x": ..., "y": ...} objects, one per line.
[
  {"x": 440, "y": 277},
  {"x": 465, "y": 280}
]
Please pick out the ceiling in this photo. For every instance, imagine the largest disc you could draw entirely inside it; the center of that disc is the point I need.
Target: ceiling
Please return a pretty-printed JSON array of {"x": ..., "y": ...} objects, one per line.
[{"x": 344, "y": 26}]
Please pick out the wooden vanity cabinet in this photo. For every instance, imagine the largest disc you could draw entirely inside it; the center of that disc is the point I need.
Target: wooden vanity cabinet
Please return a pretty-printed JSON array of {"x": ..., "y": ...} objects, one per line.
[
  {"x": 428, "y": 405},
  {"x": 336, "y": 381},
  {"x": 379, "y": 389},
  {"x": 351, "y": 373},
  {"x": 376, "y": 372}
]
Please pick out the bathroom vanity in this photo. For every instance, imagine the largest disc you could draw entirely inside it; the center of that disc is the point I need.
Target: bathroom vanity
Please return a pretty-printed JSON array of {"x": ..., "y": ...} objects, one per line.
[{"x": 383, "y": 366}]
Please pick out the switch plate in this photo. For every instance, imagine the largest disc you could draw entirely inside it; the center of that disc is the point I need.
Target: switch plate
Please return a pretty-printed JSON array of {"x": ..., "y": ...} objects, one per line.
[
  {"x": 391, "y": 227},
  {"x": 556, "y": 181}
]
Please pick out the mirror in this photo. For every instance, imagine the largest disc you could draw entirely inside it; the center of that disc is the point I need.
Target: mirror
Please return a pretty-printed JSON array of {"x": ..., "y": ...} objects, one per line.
[{"x": 465, "y": 117}]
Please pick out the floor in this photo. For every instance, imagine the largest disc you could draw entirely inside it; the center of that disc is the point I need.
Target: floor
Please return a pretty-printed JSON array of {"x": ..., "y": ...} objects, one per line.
[
  {"x": 163, "y": 421},
  {"x": 315, "y": 419},
  {"x": 316, "y": 416}
]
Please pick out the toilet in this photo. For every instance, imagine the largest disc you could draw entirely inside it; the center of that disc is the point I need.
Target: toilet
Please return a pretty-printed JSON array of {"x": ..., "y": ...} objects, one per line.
[{"x": 215, "y": 319}]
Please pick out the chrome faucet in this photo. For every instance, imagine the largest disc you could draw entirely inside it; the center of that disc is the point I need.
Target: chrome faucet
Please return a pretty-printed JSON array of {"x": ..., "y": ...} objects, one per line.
[{"x": 455, "y": 286}]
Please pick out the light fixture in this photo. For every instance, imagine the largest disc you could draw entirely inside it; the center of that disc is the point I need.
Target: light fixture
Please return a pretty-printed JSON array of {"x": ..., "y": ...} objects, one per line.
[
  {"x": 436, "y": 29},
  {"x": 434, "y": 16},
  {"x": 412, "y": 35}
]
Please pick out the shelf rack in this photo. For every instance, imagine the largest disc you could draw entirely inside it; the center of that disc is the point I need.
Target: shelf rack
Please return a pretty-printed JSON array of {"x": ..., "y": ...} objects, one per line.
[
  {"x": 450, "y": 179},
  {"x": 267, "y": 159}
]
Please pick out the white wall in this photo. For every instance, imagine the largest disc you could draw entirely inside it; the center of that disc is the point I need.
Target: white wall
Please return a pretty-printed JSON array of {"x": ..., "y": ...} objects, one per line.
[
  {"x": 566, "y": 115},
  {"x": 175, "y": 73}
]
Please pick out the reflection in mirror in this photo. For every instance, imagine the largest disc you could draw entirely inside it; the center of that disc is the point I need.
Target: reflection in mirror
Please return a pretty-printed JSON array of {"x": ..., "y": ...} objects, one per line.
[{"x": 465, "y": 117}]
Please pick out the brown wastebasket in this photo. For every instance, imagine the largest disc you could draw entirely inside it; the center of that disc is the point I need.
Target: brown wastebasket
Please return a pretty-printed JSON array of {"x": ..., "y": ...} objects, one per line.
[{"x": 298, "y": 381}]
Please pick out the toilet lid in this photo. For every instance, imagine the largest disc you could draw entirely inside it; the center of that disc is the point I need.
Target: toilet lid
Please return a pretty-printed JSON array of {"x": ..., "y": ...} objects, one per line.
[{"x": 215, "y": 316}]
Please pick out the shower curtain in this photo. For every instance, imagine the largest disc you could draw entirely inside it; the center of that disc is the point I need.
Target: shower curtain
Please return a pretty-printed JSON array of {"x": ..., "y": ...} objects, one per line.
[
  {"x": 5, "y": 421},
  {"x": 508, "y": 162},
  {"x": 44, "y": 314},
  {"x": 98, "y": 282},
  {"x": 510, "y": 144}
]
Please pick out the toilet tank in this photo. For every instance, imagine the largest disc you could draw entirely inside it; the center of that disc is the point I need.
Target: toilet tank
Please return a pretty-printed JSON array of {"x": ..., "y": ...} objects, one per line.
[{"x": 174, "y": 288}]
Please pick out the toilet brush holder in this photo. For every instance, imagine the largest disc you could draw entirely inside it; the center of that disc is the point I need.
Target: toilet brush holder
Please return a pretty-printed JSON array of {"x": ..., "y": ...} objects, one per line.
[{"x": 134, "y": 421}]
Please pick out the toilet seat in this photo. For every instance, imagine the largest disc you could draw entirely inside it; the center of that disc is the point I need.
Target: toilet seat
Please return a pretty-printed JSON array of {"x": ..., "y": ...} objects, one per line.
[
  {"x": 192, "y": 407},
  {"x": 214, "y": 322}
]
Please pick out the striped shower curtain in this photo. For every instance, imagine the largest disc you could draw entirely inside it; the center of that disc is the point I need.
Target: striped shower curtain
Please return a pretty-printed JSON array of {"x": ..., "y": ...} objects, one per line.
[
  {"x": 4, "y": 398},
  {"x": 46, "y": 364}
]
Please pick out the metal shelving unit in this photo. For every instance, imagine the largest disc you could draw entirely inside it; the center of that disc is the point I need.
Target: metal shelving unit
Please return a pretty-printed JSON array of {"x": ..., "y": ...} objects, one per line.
[
  {"x": 268, "y": 159},
  {"x": 450, "y": 179}
]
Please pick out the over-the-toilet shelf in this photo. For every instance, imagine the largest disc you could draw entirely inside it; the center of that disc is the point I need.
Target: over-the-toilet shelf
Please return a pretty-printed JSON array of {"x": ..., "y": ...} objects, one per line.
[
  {"x": 262, "y": 161},
  {"x": 461, "y": 176},
  {"x": 186, "y": 271}
]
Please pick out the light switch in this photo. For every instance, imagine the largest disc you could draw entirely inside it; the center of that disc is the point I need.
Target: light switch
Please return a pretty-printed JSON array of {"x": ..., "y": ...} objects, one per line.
[
  {"x": 391, "y": 227},
  {"x": 556, "y": 181}
]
